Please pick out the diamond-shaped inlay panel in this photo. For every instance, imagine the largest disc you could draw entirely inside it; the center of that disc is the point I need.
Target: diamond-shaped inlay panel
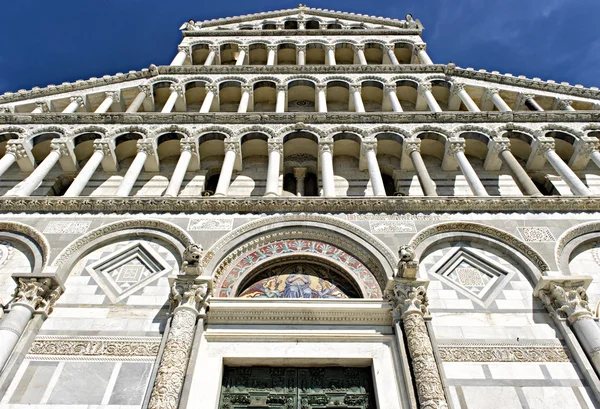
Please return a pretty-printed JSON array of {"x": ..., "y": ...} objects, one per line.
[
  {"x": 122, "y": 273},
  {"x": 469, "y": 277}
]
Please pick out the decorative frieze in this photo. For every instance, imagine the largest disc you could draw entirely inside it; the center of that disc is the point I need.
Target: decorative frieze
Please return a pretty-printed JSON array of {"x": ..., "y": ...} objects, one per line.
[
  {"x": 67, "y": 227},
  {"x": 210, "y": 224},
  {"x": 392, "y": 226},
  {"x": 503, "y": 353},
  {"x": 536, "y": 234}
]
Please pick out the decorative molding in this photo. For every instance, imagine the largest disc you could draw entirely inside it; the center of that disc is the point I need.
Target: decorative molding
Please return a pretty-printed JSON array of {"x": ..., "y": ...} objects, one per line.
[
  {"x": 392, "y": 226},
  {"x": 31, "y": 233},
  {"x": 529, "y": 352},
  {"x": 536, "y": 234},
  {"x": 67, "y": 227},
  {"x": 76, "y": 348},
  {"x": 210, "y": 224},
  {"x": 572, "y": 233}
]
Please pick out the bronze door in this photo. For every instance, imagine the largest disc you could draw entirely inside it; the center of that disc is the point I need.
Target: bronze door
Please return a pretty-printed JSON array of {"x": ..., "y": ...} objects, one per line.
[{"x": 261, "y": 387}]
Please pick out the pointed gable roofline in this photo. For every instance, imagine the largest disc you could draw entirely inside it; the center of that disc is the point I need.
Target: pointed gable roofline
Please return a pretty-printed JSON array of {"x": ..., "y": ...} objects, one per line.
[{"x": 309, "y": 11}]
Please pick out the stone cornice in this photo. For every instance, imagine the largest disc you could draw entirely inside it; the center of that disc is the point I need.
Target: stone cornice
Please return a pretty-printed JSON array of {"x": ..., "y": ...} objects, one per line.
[
  {"x": 105, "y": 205},
  {"x": 312, "y": 118},
  {"x": 302, "y": 33}
]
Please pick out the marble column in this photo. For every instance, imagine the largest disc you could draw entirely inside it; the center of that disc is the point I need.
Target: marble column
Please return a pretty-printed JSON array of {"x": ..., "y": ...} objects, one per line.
[
  {"x": 565, "y": 105},
  {"x": 531, "y": 103},
  {"x": 425, "y": 90},
  {"x": 281, "y": 92},
  {"x": 273, "y": 169},
  {"x": 13, "y": 153},
  {"x": 360, "y": 53},
  {"x": 563, "y": 170},
  {"x": 389, "y": 48},
  {"x": 272, "y": 54},
  {"x": 369, "y": 149},
  {"x": 595, "y": 159},
  {"x": 322, "y": 97},
  {"x": 413, "y": 147},
  {"x": 390, "y": 91},
  {"x": 40, "y": 107},
  {"x": 176, "y": 92},
  {"x": 144, "y": 150},
  {"x": 211, "y": 91},
  {"x": 330, "y": 50},
  {"x": 494, "y": 95},
  {"x": 139, "y": 99},
  {"x": 33, "y": 181},
  {"x": 502, "y": 147},
  {"x": 245, "y": 99},
  {"x": 300, "y": 175},
  {"x": 110, "y": 98},
  {"x": 459, "y": 89},
  {"x": 180, "y": 57},
  {"x": 189, "y": 298},
  {"x": 231, "y": 153},
  {"x": 32, "y": 296},
  {"x": 301, "y": 54},
  {"x": 76, "y": 102},
  {"x": 327, "y": 178},
  {"x": 212, "y": 54},
  {"x": 101, "y": 149},
  {"x": 422, "y": 54},
  {"x": 457, "y": 148},
  {"x": 355, "y": 90},
  {"x": 409, "y": 301},
  {"x": 241, "y": 58},
  {"x": 571, "y": 303},
  {"x": 187, "y": 149}
]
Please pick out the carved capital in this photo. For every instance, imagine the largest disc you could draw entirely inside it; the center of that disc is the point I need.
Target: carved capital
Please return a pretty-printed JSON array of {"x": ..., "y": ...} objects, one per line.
[
  {"x": 187, "y": 145},
  {"x": 301, "y": 47},
  {"x": 359, "y": 47},
  {"x": 281, "y": 87},
  {"x": 275, "y": 146},
  {"x": 247, "y": 88},
  {"x": 455, "y": 145},
  {"x": 355, "y": 87},
  {"x": 185, "y": 49},
  {"x": 564, "y": 103},
  {"x": 326, "y": 145},
  {"x": 272, "y": 47},
  {"x": 588, "y": 146},
  {"x": 243, "y": 48},
  {"x": 60, "y": 146},
  {"x": 190, "y": 294},
  {"x": 491, "y": 91},
  {"x": 114, "y": 95},
  {"x": 145, "y": 89},
  {"x": 211, "y": 88},
  {"x": 389, "y": 88},
  {"x": 77, "y": 99},
  {"x": 419, "y": 47},
  {"x": 37, "y": 294},
  {"x": 390, "y": 47},
  {"x": 424, "y": 87},
  {"x": 330, "y": 47},
  {"x": 412, "y": 146},
  {"x": 545, "y": 146},
  {"x": 232, "y": 145},
  {"x": 569, "y": 302},
  {"x": 406, "y": 298},
  {"x": 368, "y": 145},
  {"x": 500, "y": 145},
  {"x": 176, "y": 88},
  {"x": 17, "y": 148},
  {"x": 457, "y": 88},
  {"x": 102, "y": 145},
  {"x": 146, "y": 146},
  {"x": 213, "y": 48},
  {"x": 43, "y": 106}
]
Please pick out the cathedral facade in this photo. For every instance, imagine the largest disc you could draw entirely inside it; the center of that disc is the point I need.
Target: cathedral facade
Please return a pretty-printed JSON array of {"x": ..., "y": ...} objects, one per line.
[{"x": 302, "y": 211}]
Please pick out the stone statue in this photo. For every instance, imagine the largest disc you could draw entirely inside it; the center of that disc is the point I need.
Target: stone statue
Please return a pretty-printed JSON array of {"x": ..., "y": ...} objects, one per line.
[
  {"x": 406, "y": 253},
  {"x": 191, "y": 260},
  {"x": 407, "y": 266}
]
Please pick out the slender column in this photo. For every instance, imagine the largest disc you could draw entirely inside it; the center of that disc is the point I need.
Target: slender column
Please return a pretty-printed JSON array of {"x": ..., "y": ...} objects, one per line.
[
  {"x": 243, "y": 50},
  {"x": 301, "y": 54},
  {"x": 300, "y": 175},
  {"x": 10, "y": 157},
  {"x": 245, "y": 100},
  {"x": 457, "y": 148},
  {"x": 413, "y": 148},
  {"x": 355, "y": 89},
  {"x": 369, "y": 149},
  {"x": 101, "y": 149},
  {"x": 425, "y": 89},
  {"x": 423, "y": 56},
  {"x": 360, "y": 53},
  {"x": 494, "y": 95},
  {"x": 180, "y": 57},
  {"x": 502, "y": 148},
  {"x": 280, "y": 105},
  {"x": 111, "y": 97},
  {"x": 40, "y": 107},
  {"x": 212, "y": 54},
  {"x": 409, "y": 302},
  {"x": 390, "y": 91},
  {"x": 134, "y": 169},
  {"x": 326, "y": 155},
  {"x": 272, "y": 50},
  {"x": 176, "y": 92},
  {"x": 564, "y": 171},
  {"x": 571, "y": 303},
  {"x": 322, "y": 97},
  {"x": 188, "y": 300},
  {"x": 33, "y": 295},
  {"x": 211, "y": 91},
  {"x": 275, "y": 152},
  {"x": 139, "y": 99},
  {"x": 595, "y": 159},
  {"x": 531, "y": 103},
  {"x": 32, "y": 182},
  {"x": 231, "y": 152},
  {"x": 76, "y": 102},
  {"x": 389, "y": 48},
  {"x": 565, "y": 105},
  {"x": 330, "y": 49},
  {"x": 459, "y": 89},
  {"x": 187, "y": 148}
]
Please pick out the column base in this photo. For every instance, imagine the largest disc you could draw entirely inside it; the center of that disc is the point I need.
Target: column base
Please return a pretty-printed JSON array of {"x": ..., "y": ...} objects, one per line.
[
  {"x": 219, "y": 195},
  {"x": 271, "y": 194}
]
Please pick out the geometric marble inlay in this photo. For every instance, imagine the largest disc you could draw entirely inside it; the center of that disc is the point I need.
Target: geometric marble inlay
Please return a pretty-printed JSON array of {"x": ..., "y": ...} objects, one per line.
[
  {"x": 126, "y": 271},
  {"x": 536, "y": 234},
  {"x": 472, "y": 275}
]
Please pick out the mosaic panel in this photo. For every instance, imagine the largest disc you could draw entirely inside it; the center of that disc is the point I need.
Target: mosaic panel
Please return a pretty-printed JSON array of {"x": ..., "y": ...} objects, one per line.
[
  {"x": 67, "y": 227},
  {"x": 392, "y": 226},
  {"x": 536, "y": 234},
  {"x": 247, "y": 262},
  {"x": 224, "y": 224}
]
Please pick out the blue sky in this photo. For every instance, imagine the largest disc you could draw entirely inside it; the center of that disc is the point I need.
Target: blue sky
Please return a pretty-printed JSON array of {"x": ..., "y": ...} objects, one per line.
[{"x": 50, "y": 42}]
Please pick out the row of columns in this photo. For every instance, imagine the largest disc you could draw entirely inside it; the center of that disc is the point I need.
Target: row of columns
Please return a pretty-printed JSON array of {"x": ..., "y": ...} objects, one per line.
[{"x": 418, "y": 49}]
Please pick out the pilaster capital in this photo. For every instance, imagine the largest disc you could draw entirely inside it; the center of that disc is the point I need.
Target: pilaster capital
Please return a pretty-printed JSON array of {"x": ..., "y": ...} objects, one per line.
[
  {"x": 424, "y": 87},
  {"x": 147, "y": 146},
  {"x": 412, "y": 145},
  {"x": 37, "y": 294},
  {"x": 500, "y": 145},
  {"x": 455, "y": 145},
  {"x": 77, "y": 99},
  {"x": 145, "y": 89},
  {"x": 18, "y": 148},
  {"x": 190, "y": 294},
  {"x": 389, "y": 88},
  {"x": 61, "y": 146},
  {"x": 567, "y": 301},
  {"x": 407, "y": 297},
  {"x": 114, "y": 95},
  {"x": 275, "y": 146},
  {"x": 42, "y": 105},
  {"x": 420, "y": 47},
  {"x": 326, "y": 145}
]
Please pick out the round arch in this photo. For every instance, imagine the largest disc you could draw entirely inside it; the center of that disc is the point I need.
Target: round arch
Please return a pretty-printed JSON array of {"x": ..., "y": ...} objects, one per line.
[
  {"x": 571, "y": 239},
  {"x": 30, "y": 238}
]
